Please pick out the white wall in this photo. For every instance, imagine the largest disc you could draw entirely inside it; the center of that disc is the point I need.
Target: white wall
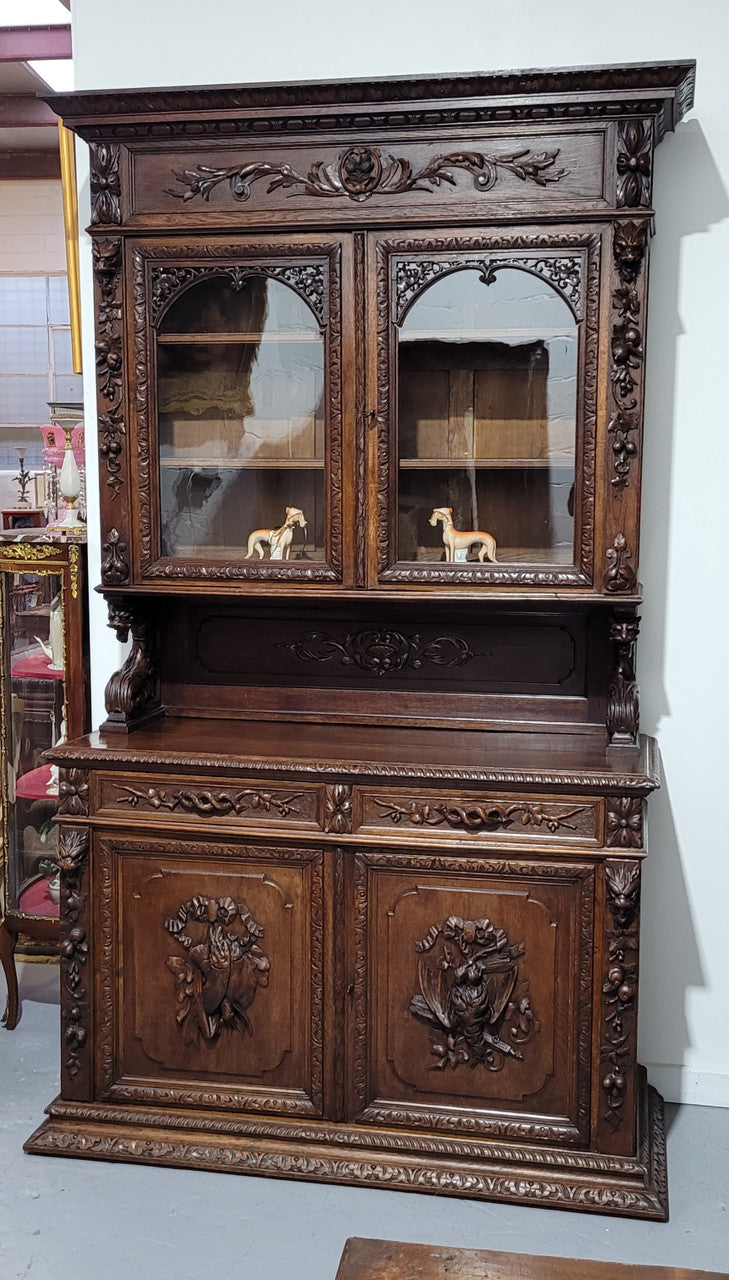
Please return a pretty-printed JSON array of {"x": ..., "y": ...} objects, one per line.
[{"x": 684, "y": 1026}]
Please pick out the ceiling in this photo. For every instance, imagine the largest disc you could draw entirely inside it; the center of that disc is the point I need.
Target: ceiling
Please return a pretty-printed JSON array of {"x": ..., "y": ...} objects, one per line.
[{"x": 28, "y": 128}]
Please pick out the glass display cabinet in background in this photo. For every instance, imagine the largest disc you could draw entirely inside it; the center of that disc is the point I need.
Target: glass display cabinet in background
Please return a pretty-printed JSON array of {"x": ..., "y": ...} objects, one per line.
[{"x": 44, "y": 701}]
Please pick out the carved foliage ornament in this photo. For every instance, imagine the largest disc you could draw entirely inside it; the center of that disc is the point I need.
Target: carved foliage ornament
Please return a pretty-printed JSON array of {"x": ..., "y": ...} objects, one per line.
[
  {"x": 413, "y": 275},
  {"x": 307, "y": 278},
  {"x": 634, "y": 164},
  {"x": 471, "y": 995},
  {"x": 478, "y": 817},
  {"x": 105, "y": 183},
  {"x": 107, "y": 270},
  {"x": 338, "y": 808},
  {"x": 620, "y": 986},
  {"x": 211, "y": 804},
  {"x": 73, "y": 848},
  {"x": 619, "y": 576},
  {"x": 114, "y": 561},
  {"x": 629, "y": 246},
  {"x": 382, "y": 653},
  {"x": 362, "y": 171},
  {"x": 221, "y": 969}
]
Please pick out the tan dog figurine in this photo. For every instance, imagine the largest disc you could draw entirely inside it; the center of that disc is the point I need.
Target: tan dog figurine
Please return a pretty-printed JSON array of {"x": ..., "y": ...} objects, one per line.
[
  {"x": 279, "y": 540},
  {"x": 456, "y": 540}
]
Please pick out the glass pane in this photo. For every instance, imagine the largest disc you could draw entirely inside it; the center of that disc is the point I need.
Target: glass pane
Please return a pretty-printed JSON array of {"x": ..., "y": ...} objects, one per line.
[
  {"x": 24, "y": 399},
  {"x": 68, "y": 389},
  {"x": 33, "y": 661},
  {"x": 487, "y": 421},
  {"x": 23, "y": 300},
  {"x": 241, "y": 423},
  {"x": 62, "y": 358},
  {"x": 23, "y": 350},
  {"x": 58, "y": 312}
]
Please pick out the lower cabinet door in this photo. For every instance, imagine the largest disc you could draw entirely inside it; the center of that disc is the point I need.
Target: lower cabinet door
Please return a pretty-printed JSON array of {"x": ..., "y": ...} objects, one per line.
[
  {"x": 472, "y": 995},
  {"x": 210, "y": 984}
]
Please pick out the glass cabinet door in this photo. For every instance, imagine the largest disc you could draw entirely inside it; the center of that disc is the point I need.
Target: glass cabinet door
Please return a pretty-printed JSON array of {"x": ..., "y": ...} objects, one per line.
[
  {"x": 248, "y": 441},
  {"x": 484, "y": 427},
  {"x": 34, "y": 719}
]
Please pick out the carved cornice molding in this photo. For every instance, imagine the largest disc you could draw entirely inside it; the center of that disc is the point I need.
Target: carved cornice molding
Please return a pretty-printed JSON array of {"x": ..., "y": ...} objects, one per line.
[{"x": 571, "y": 94}]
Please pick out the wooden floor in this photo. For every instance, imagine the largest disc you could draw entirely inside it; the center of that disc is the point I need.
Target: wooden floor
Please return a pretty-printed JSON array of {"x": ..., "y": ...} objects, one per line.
[{"x": 392, "y": 1260}]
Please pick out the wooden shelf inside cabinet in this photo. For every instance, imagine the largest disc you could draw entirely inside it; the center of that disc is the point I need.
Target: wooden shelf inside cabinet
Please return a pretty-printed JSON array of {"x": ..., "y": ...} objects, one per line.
[
  {"x": 484, "y": 336},
  {"x": 486, "y": 464},
  {"x": 244, "y": 464},
  {"x": 223, "y": 339}
]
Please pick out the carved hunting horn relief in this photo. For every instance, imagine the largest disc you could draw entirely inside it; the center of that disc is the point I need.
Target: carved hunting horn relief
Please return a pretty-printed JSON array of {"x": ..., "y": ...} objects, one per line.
[
  {"x": 470, "y": 994},
  {"x": 217, "y": 978}
]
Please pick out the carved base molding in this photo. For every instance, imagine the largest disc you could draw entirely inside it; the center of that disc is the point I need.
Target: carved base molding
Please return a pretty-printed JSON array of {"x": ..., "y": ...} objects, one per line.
[{"x": 551, "y": 1177}]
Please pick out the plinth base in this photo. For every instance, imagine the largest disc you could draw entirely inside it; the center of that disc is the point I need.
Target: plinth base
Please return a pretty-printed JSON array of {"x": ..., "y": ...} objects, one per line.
[{"x": 358, "y": 1156}]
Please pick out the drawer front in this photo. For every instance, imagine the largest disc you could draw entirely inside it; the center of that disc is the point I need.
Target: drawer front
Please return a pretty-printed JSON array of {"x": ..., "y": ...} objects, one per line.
[
  {"x": 248, "y": 804},
  {"x": 439, "y": 816}
]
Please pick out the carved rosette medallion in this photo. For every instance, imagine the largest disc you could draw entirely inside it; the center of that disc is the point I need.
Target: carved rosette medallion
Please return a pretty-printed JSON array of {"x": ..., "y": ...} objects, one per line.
[
  {"x": 471, "y": 995},
  {"x": 363, "y": 171},
  {"x": 105, "y": 183},
  {"x": 337, "y": 809},
  {"x": 635, "y": 151},
  {"x": 73, "y": 850},
  {"x": 73, "y": 793},
  {"x": 629, "y": 245},
  {"x": 221, "y": 968},
  {"x": 382, "y": 653},
  {"x": 620, "y": 986},
  {"x": 624, "y": 822}
]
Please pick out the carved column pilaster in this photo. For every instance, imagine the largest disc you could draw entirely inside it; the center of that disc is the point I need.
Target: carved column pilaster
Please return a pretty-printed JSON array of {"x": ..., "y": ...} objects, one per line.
[
  {"x": 107, "y": 255},
  {"x": 623, "y": 703},
  {"x": 73, "y": 860},
  {"x": 132, "y": 694},
  {"x": 618, "y": 1017}
]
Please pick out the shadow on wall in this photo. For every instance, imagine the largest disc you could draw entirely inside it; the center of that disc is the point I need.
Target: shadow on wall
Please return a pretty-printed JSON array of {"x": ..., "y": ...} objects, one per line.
[{"x": 690, "y": 197}]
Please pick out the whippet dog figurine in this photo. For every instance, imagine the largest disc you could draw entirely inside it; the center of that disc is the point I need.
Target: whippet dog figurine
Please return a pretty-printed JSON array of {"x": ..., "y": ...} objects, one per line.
[
  {"x": 279, "y": 540},
  {"x": 455, "y": 540}
]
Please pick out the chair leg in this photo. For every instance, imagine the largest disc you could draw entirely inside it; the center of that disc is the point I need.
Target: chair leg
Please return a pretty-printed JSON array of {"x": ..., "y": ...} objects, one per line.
[{"x": 7, "y": 957}]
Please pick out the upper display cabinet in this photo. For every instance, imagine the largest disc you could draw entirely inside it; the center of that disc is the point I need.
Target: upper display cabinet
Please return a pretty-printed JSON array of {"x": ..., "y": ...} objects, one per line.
[{"x": 385, "y": 336}]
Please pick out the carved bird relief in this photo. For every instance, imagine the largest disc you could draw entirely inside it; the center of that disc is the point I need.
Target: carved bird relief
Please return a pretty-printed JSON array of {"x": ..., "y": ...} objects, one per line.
[
  {"x": 223, "y": 967},
  {"x": 468, "y": 992}
]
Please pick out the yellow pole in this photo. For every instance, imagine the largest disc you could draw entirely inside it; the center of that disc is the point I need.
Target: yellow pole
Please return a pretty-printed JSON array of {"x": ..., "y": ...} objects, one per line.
[{"x": 70, "y": 222}]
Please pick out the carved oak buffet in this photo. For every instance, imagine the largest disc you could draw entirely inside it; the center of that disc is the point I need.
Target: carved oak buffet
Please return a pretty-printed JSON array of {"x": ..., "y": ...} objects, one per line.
[{"x": 351, "y": 872}]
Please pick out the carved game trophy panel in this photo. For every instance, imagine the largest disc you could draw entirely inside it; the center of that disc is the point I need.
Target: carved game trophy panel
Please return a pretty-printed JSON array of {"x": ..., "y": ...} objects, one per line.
[
  {"x": 221, "y": 982},
  {"x": 474, "y": 1016}
]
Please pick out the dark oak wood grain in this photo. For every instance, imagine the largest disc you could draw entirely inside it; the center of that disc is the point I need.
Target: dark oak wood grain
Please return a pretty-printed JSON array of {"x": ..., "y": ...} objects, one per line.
[{"x": 353, "y": 865}]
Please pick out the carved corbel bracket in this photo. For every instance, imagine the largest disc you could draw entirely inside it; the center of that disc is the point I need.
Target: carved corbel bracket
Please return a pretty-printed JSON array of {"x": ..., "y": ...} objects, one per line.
[
  {"x": 132, "y": 694},
  {"x": 623, "y": 704}
]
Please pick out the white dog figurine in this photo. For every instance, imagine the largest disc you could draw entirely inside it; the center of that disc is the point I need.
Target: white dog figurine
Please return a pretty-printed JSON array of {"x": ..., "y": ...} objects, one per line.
[
  {"x": 279, "y": 540},
  {"x": 454, "y": 540}
]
